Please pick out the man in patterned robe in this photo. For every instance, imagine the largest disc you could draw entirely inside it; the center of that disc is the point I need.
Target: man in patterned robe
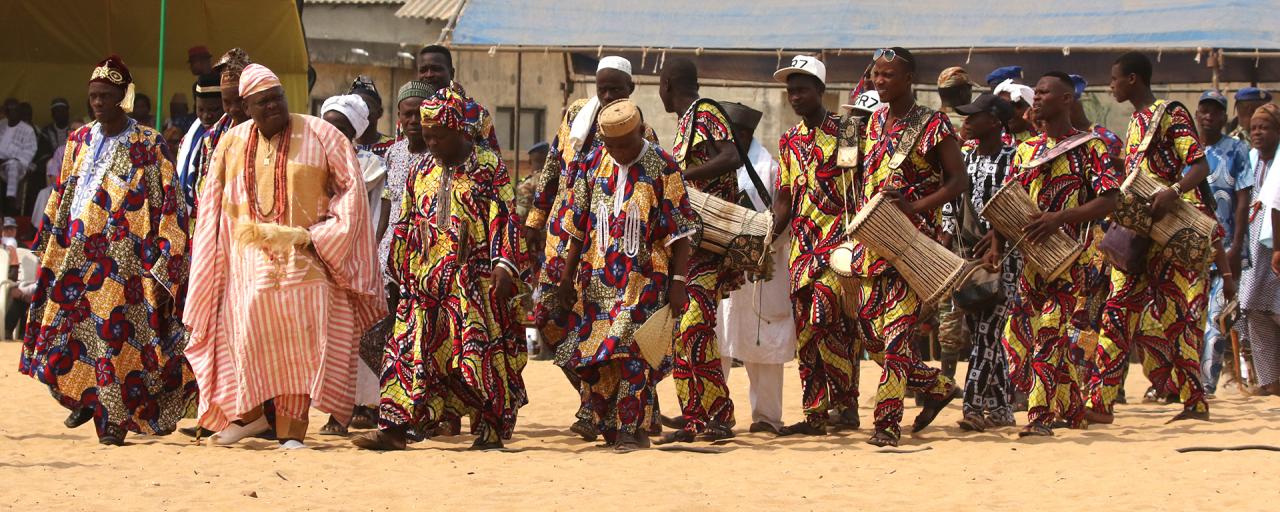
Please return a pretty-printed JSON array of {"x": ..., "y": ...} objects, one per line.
[
  {"x": 454, "y": 351},
  {"x": 814, "y": 200},
  {"x": 625, "y": 274},
  {"x": 547, "y": 213},
  {"x": 103, "y": 332},
  {"x": 919, "y": 177},
  {"x": 708, "y": 157},
  {"x": 1073, "y": 189},
  {"x": 1161, "y": 310}
]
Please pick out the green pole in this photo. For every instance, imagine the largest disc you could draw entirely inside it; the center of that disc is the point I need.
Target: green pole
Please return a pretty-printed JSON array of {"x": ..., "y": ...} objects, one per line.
[{"x": 159, "y": 100}]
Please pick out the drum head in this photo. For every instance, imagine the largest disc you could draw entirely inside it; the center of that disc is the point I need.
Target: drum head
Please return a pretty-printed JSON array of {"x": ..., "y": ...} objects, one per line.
[{"x": 842, "y": 260}]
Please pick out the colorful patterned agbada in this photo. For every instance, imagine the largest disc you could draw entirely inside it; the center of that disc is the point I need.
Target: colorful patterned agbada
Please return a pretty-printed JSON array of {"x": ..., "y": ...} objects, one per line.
[
  {"x": 1037, "y": 334},
  {"x": 104, "y": 331},
  {"x": 890, "y": 309},
  {"x": 700, "y": 381},
  {"x": 821, "y": 197},
  {"x": 1161, "y": 310},
  {"x": 626, "y": 217},
  {"x": 454, "y": 350},
  {"x": 550, "y": 213},
  {"x": 453, "y": 353}
]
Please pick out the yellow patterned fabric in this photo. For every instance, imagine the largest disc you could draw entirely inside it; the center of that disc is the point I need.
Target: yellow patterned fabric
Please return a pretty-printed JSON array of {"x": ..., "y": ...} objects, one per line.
[{"x": 453, "y": 350}]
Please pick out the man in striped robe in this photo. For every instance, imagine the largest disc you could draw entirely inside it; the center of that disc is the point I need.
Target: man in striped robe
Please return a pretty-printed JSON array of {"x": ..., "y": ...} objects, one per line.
[{"x": 285, "y": 278}]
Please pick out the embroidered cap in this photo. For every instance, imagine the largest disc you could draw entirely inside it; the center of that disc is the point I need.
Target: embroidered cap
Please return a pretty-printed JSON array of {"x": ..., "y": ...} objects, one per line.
[{"x": 619, "y": 118}]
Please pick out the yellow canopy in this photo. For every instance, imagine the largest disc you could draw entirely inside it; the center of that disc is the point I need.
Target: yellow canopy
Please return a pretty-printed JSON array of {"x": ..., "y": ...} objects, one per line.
[{"x": 48, "y": 47}]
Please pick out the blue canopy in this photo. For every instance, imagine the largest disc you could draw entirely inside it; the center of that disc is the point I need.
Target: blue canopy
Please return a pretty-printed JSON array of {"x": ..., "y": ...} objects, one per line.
[{"x": 1004, "y": 32}]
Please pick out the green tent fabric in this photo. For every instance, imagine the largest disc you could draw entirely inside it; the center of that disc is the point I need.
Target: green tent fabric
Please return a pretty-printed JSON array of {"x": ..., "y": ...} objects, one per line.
[{"x": 48, "y": 47}]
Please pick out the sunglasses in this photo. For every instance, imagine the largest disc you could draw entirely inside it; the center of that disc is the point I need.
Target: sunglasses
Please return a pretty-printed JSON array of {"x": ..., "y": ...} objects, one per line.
[
  {"x": 888, "y": 55},
  {"x": 363, "y": 82}
]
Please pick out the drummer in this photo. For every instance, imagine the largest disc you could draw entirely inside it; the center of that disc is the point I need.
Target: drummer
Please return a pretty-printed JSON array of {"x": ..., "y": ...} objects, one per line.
[
  {"x": 626, "y": 181},
  {"x": 812, "y": 200},
  {"x": 1162, "y": 310},
  {"x": 910, "y": 154},
  {"x": 576, "y": 136},
  {"x": 1074, "y": 185},
  {"x": 708, "y": 157}
]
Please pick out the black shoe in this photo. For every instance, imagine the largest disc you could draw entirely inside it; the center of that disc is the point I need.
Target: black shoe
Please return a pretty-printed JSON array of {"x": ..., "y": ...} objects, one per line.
[
  {"x": 78, "y": 417},
  {"x": 804, "y": 428},
  {"x": 200, "y": 432},
  {"x": 931, "y": 409},
  {"x": 717, "y": 432},
  {"x": 763, "y": 426},
  {"x": 1188, "y": 414},
  {"x": 679, "y": 436},
  {"x": 677, "y": 422}
]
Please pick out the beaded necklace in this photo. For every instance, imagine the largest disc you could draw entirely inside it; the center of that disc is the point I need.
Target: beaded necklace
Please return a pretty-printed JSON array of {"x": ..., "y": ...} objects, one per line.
[{"x": 251, "y": 178}]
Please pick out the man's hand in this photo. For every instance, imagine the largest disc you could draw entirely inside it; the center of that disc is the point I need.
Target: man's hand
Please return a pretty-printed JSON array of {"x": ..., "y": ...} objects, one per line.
[
  {"x": 896, "y": 197},
  {"x": 678, "y": 297},
  {"x": 504, "y": 284},
  {"x": 1042, "y": 226},
  {"x": 1162, "y": 202},
  {"x": 991, "y": 257},
  {"x": 980, "y": 248},
  {"x": 566, "y": 294},
  {"x": 1229, "y": 287},
  {"x": 1275, "y": 263},
  {"x": 1233, "y": 259}
]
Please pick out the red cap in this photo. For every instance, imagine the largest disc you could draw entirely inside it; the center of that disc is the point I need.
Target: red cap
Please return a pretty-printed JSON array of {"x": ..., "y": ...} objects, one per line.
[
  {"x": 111, "y": 70},
  {"x": 198, "y": 51}
]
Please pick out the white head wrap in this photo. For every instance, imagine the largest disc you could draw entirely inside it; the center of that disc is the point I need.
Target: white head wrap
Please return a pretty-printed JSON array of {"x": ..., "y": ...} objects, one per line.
[
  {"x": 353, "y": 107},
  {"x": 1017, "y": 92},
  {"x": 615, "y": 62}
]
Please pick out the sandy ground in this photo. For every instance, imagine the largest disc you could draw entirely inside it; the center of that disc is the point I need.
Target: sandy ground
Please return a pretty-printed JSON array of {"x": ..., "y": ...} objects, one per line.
[{"x": 1131, "y": 464}]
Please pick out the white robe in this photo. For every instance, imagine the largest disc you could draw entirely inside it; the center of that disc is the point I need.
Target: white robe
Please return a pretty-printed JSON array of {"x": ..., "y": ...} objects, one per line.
[
  {"x": 755, "y": 322},
  {"x": 1268, "y": 195}
]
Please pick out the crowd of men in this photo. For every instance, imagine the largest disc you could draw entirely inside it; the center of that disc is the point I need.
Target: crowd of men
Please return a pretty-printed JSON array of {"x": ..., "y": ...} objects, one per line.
[{"x": 278, "y": 262}]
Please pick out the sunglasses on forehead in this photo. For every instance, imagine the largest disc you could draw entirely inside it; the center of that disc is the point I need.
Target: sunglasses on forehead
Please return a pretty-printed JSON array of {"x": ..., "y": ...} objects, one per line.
[{"x": 888, "y": 55}]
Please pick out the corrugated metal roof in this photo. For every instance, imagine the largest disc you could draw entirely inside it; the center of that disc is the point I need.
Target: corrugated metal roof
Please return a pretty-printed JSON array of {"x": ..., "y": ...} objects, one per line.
[
  {"x": 430, "y": 9},
  {"x": 831, "y": 24}
]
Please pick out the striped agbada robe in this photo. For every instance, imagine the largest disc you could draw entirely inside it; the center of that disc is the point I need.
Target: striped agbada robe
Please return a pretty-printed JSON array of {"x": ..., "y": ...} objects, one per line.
[{"x": 264, "y": 328}]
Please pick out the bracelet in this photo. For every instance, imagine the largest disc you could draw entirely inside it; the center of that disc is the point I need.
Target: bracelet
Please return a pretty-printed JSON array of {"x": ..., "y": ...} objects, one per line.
[
  {"x": 1177, "y": 188},
  {"x": 680, "y": 278},
  {"x": 1226, "y": 274}
]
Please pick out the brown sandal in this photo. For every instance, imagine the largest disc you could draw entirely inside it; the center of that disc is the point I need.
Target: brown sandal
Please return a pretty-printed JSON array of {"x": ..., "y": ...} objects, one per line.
[
  {"x": 379, "y": 440},
  {"x": 1036, "y": 430},
  {"x": 973, "y": 423},
  {"x": 882, "y": 439}
]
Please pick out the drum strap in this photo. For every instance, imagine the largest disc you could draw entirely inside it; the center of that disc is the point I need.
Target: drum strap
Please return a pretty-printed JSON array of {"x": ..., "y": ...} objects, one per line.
[
  {"x": 1157, "y": 117},
  {"x": 915, "y": 124},
  {"x": 1071, "y": 143},
  {"x": 742, "y": 154}
]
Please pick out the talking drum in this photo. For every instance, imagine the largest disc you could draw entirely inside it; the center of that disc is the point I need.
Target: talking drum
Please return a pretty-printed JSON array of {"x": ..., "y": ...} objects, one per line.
[
  {"x": 740, "y": 234},
  {"x": 1185, "y": 232},
  {"x": 841, "y": 260},
  {"x": 928, "y": 267},
  {"x": 1009, "y": 211}
]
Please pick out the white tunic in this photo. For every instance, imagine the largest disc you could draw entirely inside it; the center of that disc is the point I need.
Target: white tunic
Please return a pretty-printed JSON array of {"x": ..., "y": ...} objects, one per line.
[{"x": 754, "y": 322}]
